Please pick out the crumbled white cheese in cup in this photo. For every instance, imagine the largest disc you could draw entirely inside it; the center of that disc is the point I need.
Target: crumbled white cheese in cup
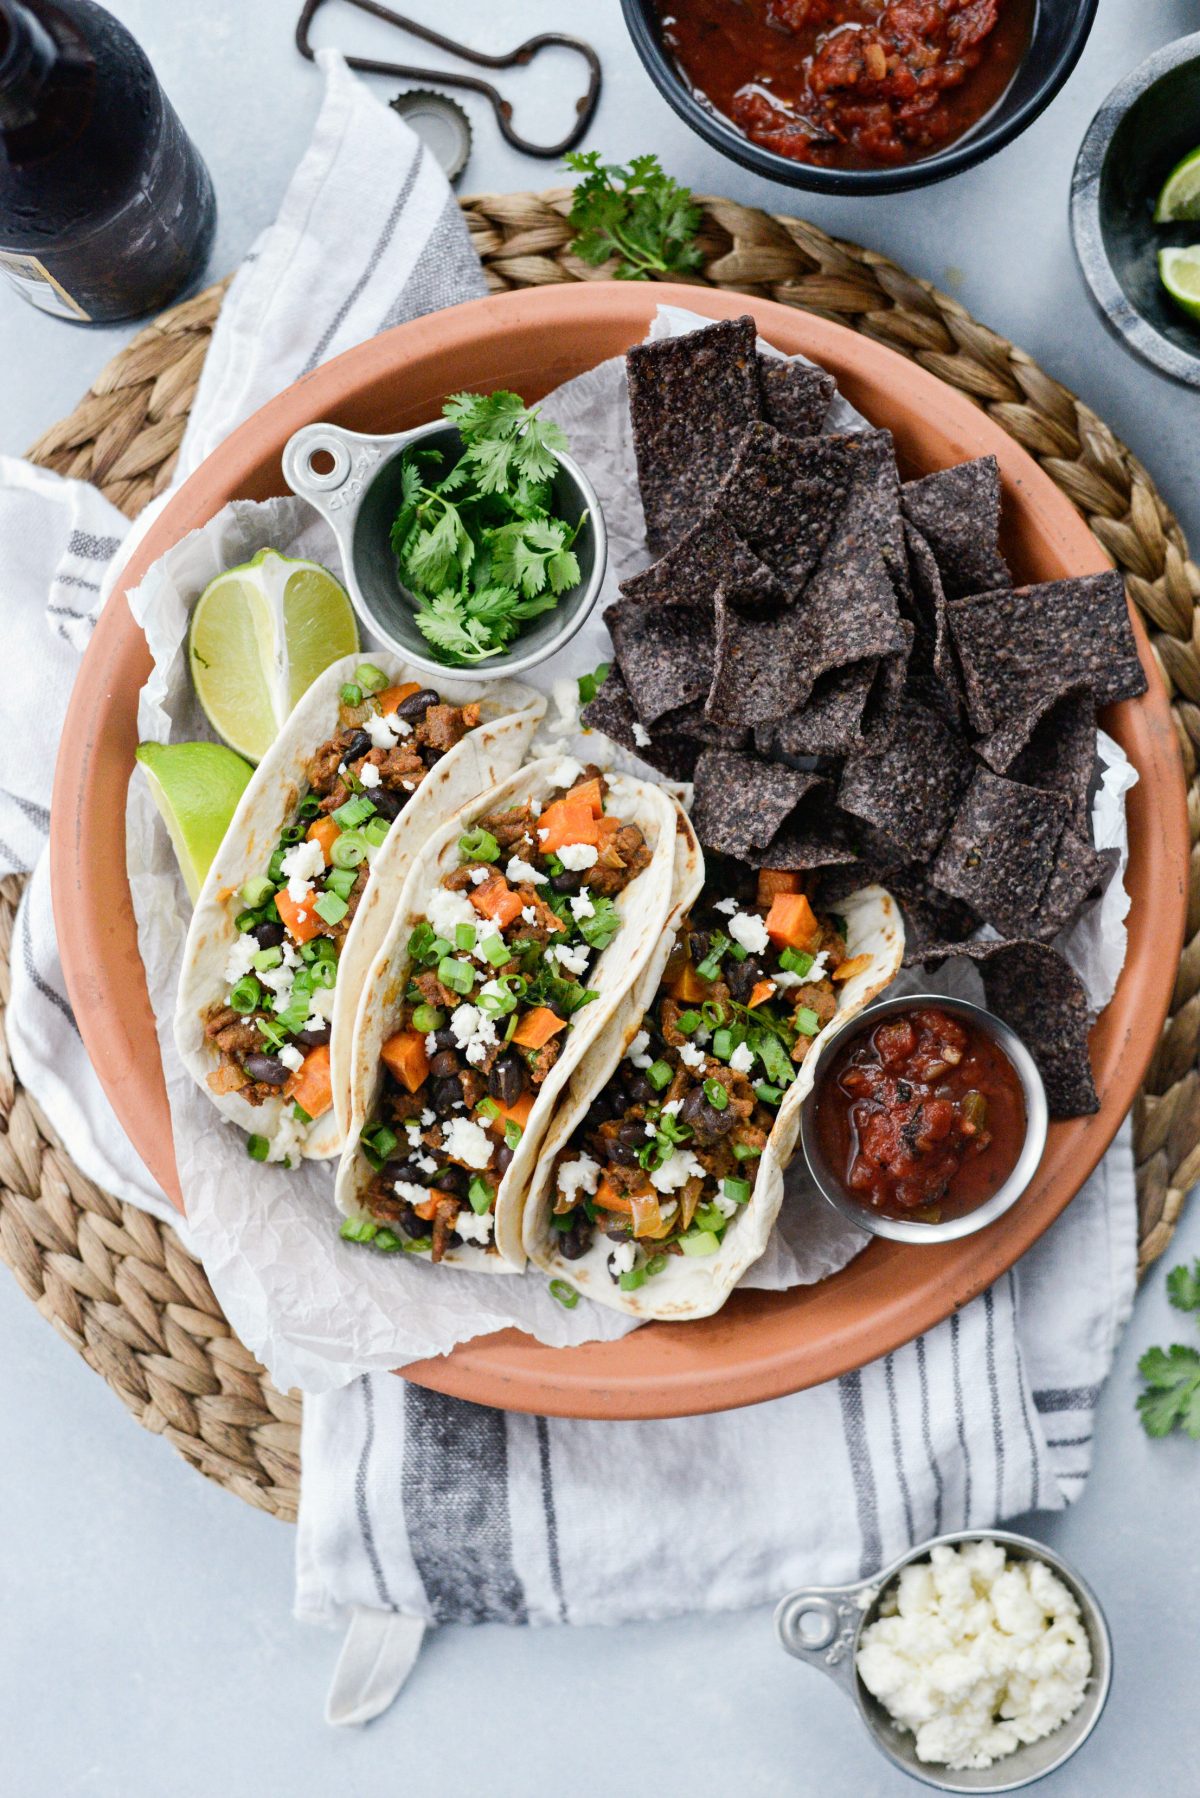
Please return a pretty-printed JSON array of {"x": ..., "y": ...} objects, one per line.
[
  {"x": 578, "y": 856},
  {"x": 978, "y": 1654},
  {"x": 748, "y": 929}
]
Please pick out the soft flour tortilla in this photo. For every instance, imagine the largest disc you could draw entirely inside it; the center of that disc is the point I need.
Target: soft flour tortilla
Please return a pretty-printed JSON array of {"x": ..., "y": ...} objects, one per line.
[
  {"x": 498, "y": 744},
  {"x": 643, "y": 908},
  {"x": 692, "y": 1286}
]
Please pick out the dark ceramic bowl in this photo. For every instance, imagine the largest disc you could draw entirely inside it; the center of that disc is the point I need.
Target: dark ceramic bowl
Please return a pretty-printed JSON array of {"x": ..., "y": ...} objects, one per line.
[
  {"x": 1148, "y": 123},
  {"x": 1060, "y": 31}
]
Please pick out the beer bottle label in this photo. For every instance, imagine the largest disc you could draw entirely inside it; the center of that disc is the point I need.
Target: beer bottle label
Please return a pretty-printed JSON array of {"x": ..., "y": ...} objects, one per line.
[{"x": 34, "y": 282}]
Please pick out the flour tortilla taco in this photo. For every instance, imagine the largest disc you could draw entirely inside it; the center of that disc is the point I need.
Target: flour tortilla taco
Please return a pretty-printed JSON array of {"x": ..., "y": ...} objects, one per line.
[
  {"x": 519, "y": 930},
  {"x": 304, "y": 885},
  {"x": 661, "y": 1177}
]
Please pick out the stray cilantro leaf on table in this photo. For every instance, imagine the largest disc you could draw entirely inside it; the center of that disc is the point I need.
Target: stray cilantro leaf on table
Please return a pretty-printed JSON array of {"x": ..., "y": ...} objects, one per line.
[
  {"x": 648, "y": 222},
  {"x": 1172, "y": 1398},
  {"x": 479, "y": 547}
]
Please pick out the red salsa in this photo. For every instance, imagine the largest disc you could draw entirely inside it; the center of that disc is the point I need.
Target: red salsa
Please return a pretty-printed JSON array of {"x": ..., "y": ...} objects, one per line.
[
  {"x": 922, "y": 1117},
  {"x": 848, "y": 84}
]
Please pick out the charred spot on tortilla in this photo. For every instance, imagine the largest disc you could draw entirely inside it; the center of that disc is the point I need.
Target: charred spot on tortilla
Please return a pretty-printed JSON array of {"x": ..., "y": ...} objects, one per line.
[
  {"x": 1038, "y": 994},
  {"x": 783, "y": 495},
  {"x": 1014, "y": 647},
  {"x": 665, "y": 654},
  {"x": 741, "y": 802},
  {"x": 957, "y": 512},
  {"x": 999, "y": 850},
  {"x": 1052, "y": 745},
  {"x": 795, "y": 395},
  {"x": 912, "y": 788},
  {"x": 691, "y": 399},
  {"x": 708, "y": 555},
  {"x": 933, "y": 675}
]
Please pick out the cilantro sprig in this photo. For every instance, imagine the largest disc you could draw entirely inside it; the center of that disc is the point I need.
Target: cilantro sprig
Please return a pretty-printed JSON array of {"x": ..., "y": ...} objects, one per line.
[
  {"x": 1172, "y": 1397},
  {"x": 480, "y": 548},
  {"x": 633, "y": 212}
]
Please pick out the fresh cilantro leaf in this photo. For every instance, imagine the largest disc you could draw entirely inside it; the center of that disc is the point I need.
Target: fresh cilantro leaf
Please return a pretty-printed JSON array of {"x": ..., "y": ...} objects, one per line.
[
  {"x": 1183, "y": 1287},
  {"x": 437, "y": 553},
  {"x": 1173, "y": 1399},
  {"x": 648, "y": 222},
  {"x": 590, "y": 684}
]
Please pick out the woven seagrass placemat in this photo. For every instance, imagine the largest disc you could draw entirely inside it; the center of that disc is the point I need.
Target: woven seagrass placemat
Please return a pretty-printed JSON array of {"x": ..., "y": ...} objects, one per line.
[{"x": 116, "y": 1283}]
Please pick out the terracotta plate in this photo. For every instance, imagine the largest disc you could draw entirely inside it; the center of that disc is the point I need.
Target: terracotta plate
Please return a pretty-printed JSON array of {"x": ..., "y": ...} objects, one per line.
[{"x": 761, "y": 1344}]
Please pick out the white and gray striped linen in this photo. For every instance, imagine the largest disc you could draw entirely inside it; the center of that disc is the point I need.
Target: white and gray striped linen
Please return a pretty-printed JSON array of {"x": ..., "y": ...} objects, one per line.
[{"x": 417, "y": 1508}]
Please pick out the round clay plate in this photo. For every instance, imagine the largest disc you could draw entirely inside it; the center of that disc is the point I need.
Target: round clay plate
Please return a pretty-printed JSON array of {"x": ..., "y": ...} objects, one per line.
[{"x": 761, "y": 1344}]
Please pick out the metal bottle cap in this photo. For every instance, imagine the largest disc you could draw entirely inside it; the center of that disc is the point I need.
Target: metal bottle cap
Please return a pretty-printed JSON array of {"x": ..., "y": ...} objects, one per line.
[{"x": 440, "y": 123}]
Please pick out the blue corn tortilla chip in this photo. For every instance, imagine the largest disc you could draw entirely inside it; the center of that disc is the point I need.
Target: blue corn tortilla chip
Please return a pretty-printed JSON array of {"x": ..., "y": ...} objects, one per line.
[
  {"x": 782, "y": 496},
  {"x": 1038, "y": 994},
  {"x": 957, "y": 512},
  {"x": 690, "y": 401},
  {"x": 1016, "y": 647},
  {"x": 910, "y": 788},
  {"x": 933, "y": 676},
  {"x": 850, "y": 710},
  {"x": 1053, "y": 744},
  {"x": 795, "y": 395},
  {"x": 708, "y": 556},
  {"x": 999, "y": 851},
  {"x": 741, "y": 802},
  {"x": 612, "y": 711},
  {"x": 1080, "y": 873},
  {"x": 759, "y": 666},
  {"x": 665, "y": 654}
]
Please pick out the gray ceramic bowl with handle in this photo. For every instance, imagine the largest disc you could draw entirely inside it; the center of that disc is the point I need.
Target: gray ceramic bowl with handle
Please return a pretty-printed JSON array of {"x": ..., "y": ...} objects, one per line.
[
  {"x": 899, "y": 1229},
  {"x": 353, "y": 481},
  {"x": 823, "y": 1625}
]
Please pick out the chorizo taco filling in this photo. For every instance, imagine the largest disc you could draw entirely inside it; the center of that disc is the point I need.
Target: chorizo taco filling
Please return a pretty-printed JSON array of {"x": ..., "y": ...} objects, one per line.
[
  {"x": 668, "y": 1151},
  {"x": 497, "y": 971},
  {"x": 271, "y": 1025}
]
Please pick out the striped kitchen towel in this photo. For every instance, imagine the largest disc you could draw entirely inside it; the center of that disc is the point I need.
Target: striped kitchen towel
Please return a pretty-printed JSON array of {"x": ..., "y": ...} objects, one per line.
[
  {"x": 418, "y": 1509},
  {"x": 369, "y": 235}
]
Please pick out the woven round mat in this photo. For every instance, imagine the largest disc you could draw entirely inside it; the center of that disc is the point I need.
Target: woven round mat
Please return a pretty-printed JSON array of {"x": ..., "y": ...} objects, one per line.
[{"x": 116, "y": 1283}]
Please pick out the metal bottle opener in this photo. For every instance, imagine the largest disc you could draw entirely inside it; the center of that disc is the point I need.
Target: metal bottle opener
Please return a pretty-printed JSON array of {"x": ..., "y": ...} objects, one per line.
[{"x": 518, "y": 58}]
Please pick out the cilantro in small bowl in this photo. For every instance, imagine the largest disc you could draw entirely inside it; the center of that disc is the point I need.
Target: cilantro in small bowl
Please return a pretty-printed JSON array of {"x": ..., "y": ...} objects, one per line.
[{"x": 495, "y": 528}]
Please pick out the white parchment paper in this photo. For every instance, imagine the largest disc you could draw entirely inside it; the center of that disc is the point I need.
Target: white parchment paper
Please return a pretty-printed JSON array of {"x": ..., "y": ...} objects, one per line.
[{"x": 318, "y": 1311}]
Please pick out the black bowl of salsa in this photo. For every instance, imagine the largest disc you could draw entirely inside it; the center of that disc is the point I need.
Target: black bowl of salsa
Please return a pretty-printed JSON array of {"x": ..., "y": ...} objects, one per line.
[
  {"x": 926, "y": 1119},
  {"x": 859, "y": 96}
]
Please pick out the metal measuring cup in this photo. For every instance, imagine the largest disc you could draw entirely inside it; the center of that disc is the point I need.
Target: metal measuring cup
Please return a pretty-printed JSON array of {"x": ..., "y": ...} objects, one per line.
[{"x": 823, "y": 1626}]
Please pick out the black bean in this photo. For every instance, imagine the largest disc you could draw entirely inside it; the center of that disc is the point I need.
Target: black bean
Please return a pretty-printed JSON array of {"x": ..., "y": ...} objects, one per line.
[
  {"x": 312, "y": 1039},
  {"x": 566, "y": 882},
  {"x": 452, "y": 1178},
  {"x": 577, "y": 1240},
  {"x": 640, "y": 1091},
  {"x": 388, "y": 802},
  {"x": 506, "y": 1082},
  {"x": 359, "y": 745},
  {"x": 618, "y": 1233},
  {"x": 502, "y": 1160},
  {"x": 444, "y": 1039},
  {"x": 444, "y": 1064},
  {"x": 623, "y": 1153},
  {"x": 445, "y": 1095},
  {"x": 266, "y": 1068},
  {"x": 633, "y": 1132},
  {"x": 707, "y": 1123},
  {"x": 699, "y": 943},
  {"x": 268, "y": 935},
  {"x": 405, "y": 1170},
  {"x": 430, "y": 755},
  {"x": 743, "y": 976},
  {"x": 417, "y": 704},
  {"x": 412, "y": 1225}
]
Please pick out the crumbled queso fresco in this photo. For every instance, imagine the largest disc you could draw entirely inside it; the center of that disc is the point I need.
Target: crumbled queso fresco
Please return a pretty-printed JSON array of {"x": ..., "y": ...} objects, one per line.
[{"x": 976, "y": 1654}]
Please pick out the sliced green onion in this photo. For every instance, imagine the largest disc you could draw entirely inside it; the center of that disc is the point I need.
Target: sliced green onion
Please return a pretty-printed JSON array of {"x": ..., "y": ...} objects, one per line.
[
  {"x": 301, "y": 1116},
  {"x": 746, "y": 1151},
  {"x": 655, "y": 1265},
  {"x": 258, "y": 1148},
  {"x": 659, "y": 1074},
  {"x": 566, "y": 1295},
  {"x": 349, "y": 849},
  {"x": 687, "y": 1022},
  {"x": 496, "y": 950},
  {"x": 389, "y": 1242},
  {"x": 464, "y": 937},
  {"x": 359, "y": 1229},
  {"x": 350, "y": 694},
  {"x": 807, "y": 1022},
  {"x": 709, "y": 1217},
  {"x": 247, "y": 920},
  {"x": 796, "y": 961},
  {"x": 271, "y": 1033},
  {"x": 309, "y": 806},
  {"x": 716, "y": 1095},
  {"x": 478, "y": 846},
  {"x": 293, "y": 833},
  {"x": 562, "y": 1221},
  {"x": 511, "y": 1031},
  {"x": 480, "y": 1193},
  {"x": 385, "y": 1141},
  {"x": 712, "y": 1013},
  {"x": 275, "y": 869},
  {"x": 512, "y": 1133},
  {"x": 699, "y": 1242},
  {"x": 322, "y": 973},
  {"x": 331, "y": 907},
  {"x": 488, "y": 1108},
  {"x": 770, "y": 1095},
  {"x": 722, "y": 1044},
  {"x": 256, "y": 892},
  {"x": 428, "y": 1017},
  {"x": 246, "y": 995},
  {"x": 370, "y": 678},
  {"x": 459, "y": 976},
  {"x": 340, "y": 881},
  {"x": 356, "y": 811},
  {"x": 631, "y": 1279},
  {"x": 417, "y": 1245},
  {"x": 737, "y": 1190},
  {"x": 267, "y": 958},
  {"x": 375, "y": 830}
]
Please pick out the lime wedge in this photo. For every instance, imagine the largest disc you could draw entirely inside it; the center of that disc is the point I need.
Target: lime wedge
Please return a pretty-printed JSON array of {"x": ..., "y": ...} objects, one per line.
[
  {"x": 1180, "y": 196},
  {"x": 260, "y": 636},
  {"x": 196, "y": 787},
  {"x": 1179, "y": 272}
]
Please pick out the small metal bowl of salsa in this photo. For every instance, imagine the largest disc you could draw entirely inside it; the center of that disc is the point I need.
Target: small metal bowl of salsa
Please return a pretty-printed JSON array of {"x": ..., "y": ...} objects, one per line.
[
  {"x": 926, "y": 1119},
  {"x": 858, "y": 96}
]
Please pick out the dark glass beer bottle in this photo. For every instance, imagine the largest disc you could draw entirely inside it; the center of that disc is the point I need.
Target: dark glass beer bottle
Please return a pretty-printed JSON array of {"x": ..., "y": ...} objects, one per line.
[{"x": 106, "y": 208}]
